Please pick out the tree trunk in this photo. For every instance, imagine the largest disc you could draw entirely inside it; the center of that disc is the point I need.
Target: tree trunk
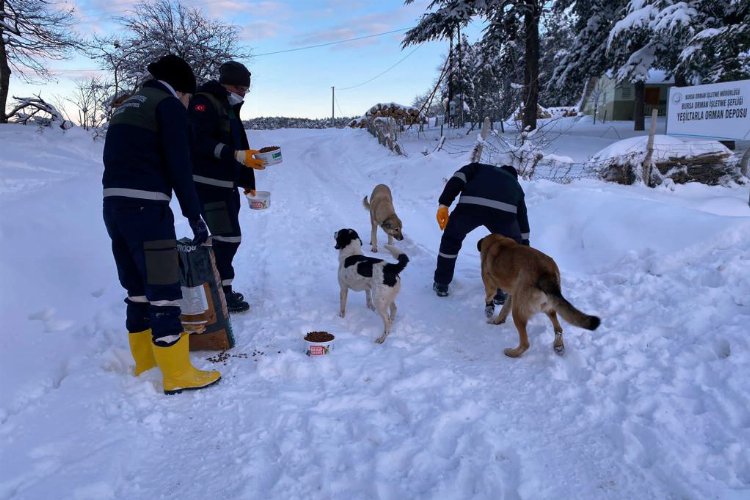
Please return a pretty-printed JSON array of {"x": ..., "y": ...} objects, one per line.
[
  {"x": 531, "y": 69},
  {"x": 4, "y": 72},
  {"x": 639, "y": 95},
  {"x": 450, "y": 82}
]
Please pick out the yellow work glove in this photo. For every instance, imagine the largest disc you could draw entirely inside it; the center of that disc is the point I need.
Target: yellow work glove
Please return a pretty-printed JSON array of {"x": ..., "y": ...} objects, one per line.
[
  {"x": 442, "y": 216},
  {"x": 245, "y": 157}
]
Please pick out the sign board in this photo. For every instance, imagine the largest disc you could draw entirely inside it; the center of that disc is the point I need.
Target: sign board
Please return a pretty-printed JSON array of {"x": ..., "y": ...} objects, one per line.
[{"x": 718, "y": 110}]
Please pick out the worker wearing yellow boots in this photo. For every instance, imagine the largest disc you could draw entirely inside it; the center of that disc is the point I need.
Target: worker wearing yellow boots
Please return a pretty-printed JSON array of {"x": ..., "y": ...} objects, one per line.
[{"x": 146, "y": 157}]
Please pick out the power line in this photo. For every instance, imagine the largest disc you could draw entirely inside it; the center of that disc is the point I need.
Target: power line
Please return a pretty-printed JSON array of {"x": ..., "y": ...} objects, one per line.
[
  {"x": 341, "y": 113},
  {"x": 330, "y": 43},
  {"x": 279, "y": 51},
  {"x": 383, "y": 72}
]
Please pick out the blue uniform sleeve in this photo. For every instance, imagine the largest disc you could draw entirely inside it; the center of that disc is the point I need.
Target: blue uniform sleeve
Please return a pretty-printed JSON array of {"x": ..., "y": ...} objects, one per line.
[
  {"x": 173, "y": 137},
  {"x": 204, "y": 126},
  {"x": 523, "y": 219},
  {"x": 246, "y": 178},
  {"x": 456, "y": 183},
  {"x": 204, "y": 122}
]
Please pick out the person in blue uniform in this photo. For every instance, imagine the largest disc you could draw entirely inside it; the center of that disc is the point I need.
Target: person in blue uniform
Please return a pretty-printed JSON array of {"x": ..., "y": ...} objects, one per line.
[
  {"x": 490, "y": 196},
  {"x": 223, "y": 162},
  {"x": 146, "y": 158}
]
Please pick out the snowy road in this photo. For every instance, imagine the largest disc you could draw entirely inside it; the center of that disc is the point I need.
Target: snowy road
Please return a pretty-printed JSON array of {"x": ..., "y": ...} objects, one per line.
[{"x": 654, "y": 404}]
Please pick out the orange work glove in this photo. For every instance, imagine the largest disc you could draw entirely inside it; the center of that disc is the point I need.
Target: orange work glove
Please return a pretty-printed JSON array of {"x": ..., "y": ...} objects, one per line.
[
  {"x": 245, "y": 157},
  {"x": 251, "y": 192},
  {"x": 442, "y": 216}
]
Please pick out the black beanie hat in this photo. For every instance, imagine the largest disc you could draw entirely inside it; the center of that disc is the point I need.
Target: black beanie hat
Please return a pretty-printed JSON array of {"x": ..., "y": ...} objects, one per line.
[
  {"x": 175, "y": 71},
  {"x": 234, "y": 73}
]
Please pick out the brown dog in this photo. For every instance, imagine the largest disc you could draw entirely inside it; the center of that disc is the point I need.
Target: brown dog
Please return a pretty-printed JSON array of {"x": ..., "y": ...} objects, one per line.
[
  {"x": 382, "y": 214},
  {"x": 532, "y": 280}
]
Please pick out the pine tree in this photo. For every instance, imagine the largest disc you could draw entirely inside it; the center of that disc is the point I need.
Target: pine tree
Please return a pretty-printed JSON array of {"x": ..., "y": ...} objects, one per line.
[
  {"x": 586, "y": 57},
  {"x": 716, "y": 41},
  {"x": 509, "y": 20},
  {"x": 557, "y": 40}
]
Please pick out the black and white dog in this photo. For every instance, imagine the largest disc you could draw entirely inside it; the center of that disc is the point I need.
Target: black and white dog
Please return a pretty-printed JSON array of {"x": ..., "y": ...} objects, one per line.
[{"x": 379, "y": 279}]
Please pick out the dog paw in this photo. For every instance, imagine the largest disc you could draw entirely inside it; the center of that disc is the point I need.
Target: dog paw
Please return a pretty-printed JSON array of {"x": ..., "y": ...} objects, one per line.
[
  {"x": 342, "y": 314},
  {"x": 489, "y": 311},
  {"x": 558, "y": 344},
  {"x": 374, "y": 249},
  {"x": 496, "y": 321},
  {"x": 514, "y": 353},
  {"x": 371, "y": 307},
  {"x": 380, "y": 339}
]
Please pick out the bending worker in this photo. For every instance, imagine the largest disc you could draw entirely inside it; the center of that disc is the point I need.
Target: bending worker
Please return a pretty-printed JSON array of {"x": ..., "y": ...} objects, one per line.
[
  {"x": 491, "y": 197},
  {"x": 223, "y": 161},
  {"x": 146, "y": 157}
]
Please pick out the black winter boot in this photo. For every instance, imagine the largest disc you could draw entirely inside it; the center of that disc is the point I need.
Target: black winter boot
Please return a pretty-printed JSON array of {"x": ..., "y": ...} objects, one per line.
[
  {"x": 228, "y": 291},
  {"x": 235, "y": 301},
  {"x": 440, "y": 289}
]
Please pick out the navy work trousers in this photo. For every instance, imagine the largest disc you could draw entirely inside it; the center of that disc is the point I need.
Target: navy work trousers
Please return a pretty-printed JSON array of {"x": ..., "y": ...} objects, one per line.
[
  {"x": 145, "y": 251},
  {"x": 221, "y": 207},
  {"x": 461, "y": 223}
]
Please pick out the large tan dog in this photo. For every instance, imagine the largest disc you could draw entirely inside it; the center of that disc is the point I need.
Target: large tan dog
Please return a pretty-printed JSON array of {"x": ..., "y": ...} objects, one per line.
[
  {"x": 532, "y": 280},
  {"x": 382, "y": 214}
]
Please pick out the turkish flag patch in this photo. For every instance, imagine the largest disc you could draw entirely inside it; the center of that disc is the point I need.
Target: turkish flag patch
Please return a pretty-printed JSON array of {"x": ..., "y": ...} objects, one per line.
[{"x": 200, "y": 107}]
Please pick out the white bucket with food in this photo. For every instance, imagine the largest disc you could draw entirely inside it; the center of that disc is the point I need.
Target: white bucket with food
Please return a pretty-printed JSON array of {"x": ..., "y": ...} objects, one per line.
[
  {"x": 318, "y": 343},
  {"x": 261, "y": 200},
  {"x": 270, "y": 154}
]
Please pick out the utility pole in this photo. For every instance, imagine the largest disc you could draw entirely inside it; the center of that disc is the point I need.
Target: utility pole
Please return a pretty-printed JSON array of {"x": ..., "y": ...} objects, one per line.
[{"x": 333, "y": 99}]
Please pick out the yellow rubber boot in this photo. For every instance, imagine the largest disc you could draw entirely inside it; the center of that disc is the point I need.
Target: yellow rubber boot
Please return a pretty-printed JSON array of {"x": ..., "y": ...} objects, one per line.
[
  {"x": 140, "y": 348},
  {"x": 178, "y": 372}
]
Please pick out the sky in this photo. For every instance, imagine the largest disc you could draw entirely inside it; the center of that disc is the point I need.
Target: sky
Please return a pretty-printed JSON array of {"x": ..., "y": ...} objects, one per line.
[
  {"x": 652, "y": 405},
  {"x": 296, "y": 83}
]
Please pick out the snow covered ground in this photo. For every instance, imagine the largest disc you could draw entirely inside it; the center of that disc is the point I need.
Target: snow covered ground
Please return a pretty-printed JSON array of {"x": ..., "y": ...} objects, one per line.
[{"x": 654, "y": 404}]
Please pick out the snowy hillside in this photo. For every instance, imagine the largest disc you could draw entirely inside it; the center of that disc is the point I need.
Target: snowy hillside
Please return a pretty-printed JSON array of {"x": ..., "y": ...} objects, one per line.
[{"x": 655, "y": 404}]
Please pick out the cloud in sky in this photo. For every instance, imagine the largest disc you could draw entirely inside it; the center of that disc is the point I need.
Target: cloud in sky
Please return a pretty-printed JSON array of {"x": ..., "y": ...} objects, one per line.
[
  {"x": 261, "y": 30},
  {"x": 296, "y": 82},
  {"x": 364, "y": 25},
  {"x": 254, "y": 10}
]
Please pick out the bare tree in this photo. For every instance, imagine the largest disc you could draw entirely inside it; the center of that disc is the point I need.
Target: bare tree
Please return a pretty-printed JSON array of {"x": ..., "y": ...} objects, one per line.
[
  {"x": 37, "y": 111},
  {"x": 160, "y": 27},
  {"x": 90, "y": 100},
  {"x": 31, "y": 32}
]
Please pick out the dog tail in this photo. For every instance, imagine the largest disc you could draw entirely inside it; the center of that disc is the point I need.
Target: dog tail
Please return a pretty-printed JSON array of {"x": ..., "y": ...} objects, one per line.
[
  {"x": 549, "y": 285},
  {"x": 400, "y": 256},
  {"x": 366, "y": 203}
]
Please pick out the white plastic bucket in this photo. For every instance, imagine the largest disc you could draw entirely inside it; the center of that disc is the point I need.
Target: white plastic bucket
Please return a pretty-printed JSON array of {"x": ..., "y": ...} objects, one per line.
[
  {"x": 271, "y": 155},
  {"x": 261, "y": 200},
  {"x": 318, "y": 343}
]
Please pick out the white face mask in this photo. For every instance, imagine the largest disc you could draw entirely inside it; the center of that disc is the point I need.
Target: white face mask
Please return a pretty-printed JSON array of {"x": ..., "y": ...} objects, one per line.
[{"x": 235, "y": 99}]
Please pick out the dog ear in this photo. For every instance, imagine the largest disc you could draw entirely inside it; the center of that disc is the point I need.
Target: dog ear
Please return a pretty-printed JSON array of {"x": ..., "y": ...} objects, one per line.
[
  {"x": 386, "y": 225},
  {"x": 339, "y": 240}
]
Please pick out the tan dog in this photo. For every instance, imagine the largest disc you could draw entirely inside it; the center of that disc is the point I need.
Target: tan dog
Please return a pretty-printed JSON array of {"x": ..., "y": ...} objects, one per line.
[
  {"x": 382, "y": 214},
  {"x": 532, "y": 281}
]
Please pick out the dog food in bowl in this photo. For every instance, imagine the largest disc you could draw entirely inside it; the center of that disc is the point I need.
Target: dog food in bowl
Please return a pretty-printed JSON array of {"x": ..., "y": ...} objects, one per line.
[
  {"x": 261, "y": 200},
  {"x": 271, "y": 155},
  {"x": 318, "y": 343}
]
